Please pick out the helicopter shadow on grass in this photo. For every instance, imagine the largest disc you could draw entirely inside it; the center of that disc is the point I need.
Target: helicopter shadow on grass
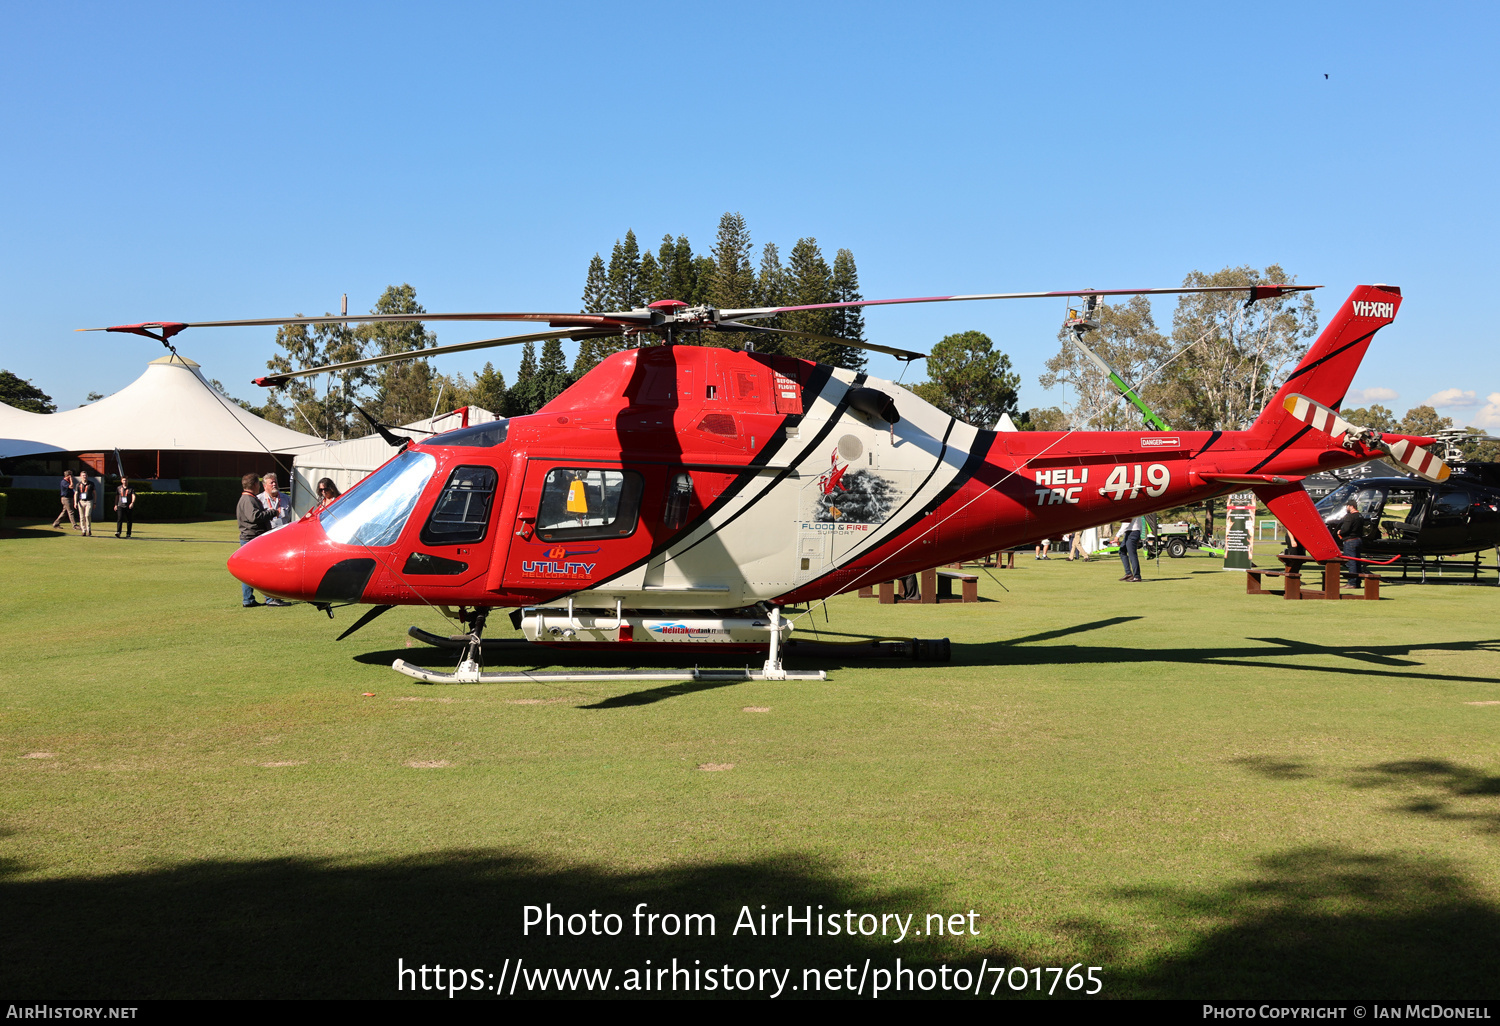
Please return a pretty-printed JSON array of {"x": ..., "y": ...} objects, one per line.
[
  {"x": 433, "y": 658},
  {"x": 677, "y": 657},
  {"x": 1022, "y": 651},
  {"x": 1018, "y": 653}
]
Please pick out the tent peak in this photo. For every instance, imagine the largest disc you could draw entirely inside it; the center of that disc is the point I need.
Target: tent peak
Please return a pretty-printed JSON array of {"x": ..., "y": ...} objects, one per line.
[{"x": 181, "y": 361}]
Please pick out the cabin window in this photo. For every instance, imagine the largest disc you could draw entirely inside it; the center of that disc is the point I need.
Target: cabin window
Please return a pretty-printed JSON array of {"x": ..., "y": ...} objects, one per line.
[
  {"x": 462, "y": 512},
  {"x": 373, "y": 512},
  {"x": 679, "y": 501},
  {"x": 588, "y": 503},
  {"x": 1451, "y": 508}
]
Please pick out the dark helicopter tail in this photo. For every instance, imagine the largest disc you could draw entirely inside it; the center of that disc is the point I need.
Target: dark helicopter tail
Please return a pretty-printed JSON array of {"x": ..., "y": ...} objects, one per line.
[{"x": 1328, "y": 368}]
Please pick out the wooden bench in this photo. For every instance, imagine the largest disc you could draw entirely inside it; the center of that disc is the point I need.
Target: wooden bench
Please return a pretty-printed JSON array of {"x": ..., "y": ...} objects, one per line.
[
  {"x": 936, "y": 586},
  {"x": 1291, "y": 574}
]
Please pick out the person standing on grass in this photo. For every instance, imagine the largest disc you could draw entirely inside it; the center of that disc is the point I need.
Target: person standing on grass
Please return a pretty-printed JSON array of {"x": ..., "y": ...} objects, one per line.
[
  {"x": 1351, "y": 531},
  {"x": 276, "y": 501},
  {"x": 85, "y": 501},
  {"x": 124, "y": 507},
  {"x": 254, "y": 521},
  {"x": 69, "y": 510},
  {"x": 1130, "y": 545}
]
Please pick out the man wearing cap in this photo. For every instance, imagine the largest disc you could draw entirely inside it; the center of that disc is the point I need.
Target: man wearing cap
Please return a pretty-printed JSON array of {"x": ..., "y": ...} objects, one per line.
[{"x": 1351, "y": 532}]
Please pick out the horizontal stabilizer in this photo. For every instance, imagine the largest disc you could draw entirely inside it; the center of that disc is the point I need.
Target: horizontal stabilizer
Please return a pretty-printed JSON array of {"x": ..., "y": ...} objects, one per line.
[{"x": 1248, "y": 479}]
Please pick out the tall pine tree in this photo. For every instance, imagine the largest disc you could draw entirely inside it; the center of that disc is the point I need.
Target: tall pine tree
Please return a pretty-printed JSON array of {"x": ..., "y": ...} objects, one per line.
[
  {"x": 850, "y": 322},
  {"x": 552, "y": 375},
  {"x": 625, "y": 274},
  {"x": 525, "y": 393},
  {"x": 733, "y": 278},
  {"x": 679, "y": 278},
  {"x": 649, "y": 279},
  {"x": 811, "y": 282},
  {"x": 596, "y": 299},
  {"x": 489, "y": 391}
]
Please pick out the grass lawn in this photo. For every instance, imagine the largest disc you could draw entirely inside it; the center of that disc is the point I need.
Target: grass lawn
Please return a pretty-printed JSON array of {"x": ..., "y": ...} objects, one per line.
[{"x": 1204, "y": 793}]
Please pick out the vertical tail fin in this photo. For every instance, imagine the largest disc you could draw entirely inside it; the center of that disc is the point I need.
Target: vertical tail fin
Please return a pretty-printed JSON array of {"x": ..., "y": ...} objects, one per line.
[{"x": 1326, "y": 371}]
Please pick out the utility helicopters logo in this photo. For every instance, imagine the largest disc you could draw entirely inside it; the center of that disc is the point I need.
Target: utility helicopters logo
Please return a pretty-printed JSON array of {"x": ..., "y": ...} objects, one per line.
[{"x": 557, "y": 565}]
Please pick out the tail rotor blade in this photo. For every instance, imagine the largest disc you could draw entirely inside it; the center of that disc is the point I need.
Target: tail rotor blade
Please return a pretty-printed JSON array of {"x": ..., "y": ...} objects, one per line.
[
  {"x": 1405, "y": 452},
  {"x": 1320, "y": 417},
  {"x": 1418, "y": 459}
]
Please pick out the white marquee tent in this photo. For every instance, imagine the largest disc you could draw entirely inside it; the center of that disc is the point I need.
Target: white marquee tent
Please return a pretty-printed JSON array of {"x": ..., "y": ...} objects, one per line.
[{"x": 171, "y": 407}]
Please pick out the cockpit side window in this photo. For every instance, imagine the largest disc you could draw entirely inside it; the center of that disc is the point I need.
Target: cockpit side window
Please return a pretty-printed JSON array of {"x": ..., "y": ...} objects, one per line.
[
  {"x": 462, "y": 512},
  {"x": 1370, "y": 501},
  {"x": 374, "y": 511},
  {"x": 1450, "y": 508}
]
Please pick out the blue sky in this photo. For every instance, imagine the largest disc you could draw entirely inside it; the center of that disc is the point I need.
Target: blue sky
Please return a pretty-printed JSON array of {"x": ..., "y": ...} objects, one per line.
[{"x": 206, "y": 161}]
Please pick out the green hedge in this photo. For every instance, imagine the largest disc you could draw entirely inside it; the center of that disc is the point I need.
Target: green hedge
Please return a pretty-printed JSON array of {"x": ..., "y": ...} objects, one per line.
[
  {"x": 33, "y": 502},
  {"x": 223, "y": 492},
  {"x": 2, "y": 507},
  {"x": 164, "y": 505},
  {"x": 36, "y": 503}
]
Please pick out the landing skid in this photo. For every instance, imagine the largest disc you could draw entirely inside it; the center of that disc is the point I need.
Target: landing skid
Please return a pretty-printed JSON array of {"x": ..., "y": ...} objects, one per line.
[
  {"x": 470, "y": 667},
  {"x": 461, "y": 676}
]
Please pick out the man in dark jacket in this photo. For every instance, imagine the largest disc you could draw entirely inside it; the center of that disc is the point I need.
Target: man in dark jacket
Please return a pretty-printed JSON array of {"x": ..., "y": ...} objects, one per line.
[
  {"x": 1351, "y": 532},
  {"x": 69, "y": 511},
  {"x": 255, "y": 520}
]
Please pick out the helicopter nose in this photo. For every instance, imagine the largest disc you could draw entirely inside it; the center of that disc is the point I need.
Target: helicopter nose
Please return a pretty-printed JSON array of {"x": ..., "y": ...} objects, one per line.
[{"x": 274, "y": 562}]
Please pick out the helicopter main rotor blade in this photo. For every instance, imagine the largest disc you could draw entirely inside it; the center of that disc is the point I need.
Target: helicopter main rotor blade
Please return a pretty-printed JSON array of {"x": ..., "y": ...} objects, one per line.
[
  {"x": 272, "y": 380},
  {"x": 900, "y": 354},
  {"x": 1404, "y": 451},
  {"x": 1256, "y": 292},
  {"x": 619, "y": 321}
]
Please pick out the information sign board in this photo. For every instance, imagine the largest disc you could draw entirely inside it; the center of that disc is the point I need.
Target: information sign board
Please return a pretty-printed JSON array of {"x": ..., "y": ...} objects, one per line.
[{"x": 1239, "y": 531}]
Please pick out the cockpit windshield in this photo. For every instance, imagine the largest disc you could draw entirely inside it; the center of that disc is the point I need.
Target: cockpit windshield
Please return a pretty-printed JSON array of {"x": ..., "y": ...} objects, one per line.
[
  {"x": 1369, "y": 499},
  {"x": 476, "y": 435},
  {"x": 374, "y": 511}
]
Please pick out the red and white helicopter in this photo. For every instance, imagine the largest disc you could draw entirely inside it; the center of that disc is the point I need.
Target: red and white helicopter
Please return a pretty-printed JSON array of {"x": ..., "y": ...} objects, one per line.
[{"x": 679, "y": 493}]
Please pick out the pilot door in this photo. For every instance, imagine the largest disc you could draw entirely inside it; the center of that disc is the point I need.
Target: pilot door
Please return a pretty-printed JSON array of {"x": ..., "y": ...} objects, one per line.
[
  {"x": 576, "y": 524},
  {"x": 453, "y": 546}
]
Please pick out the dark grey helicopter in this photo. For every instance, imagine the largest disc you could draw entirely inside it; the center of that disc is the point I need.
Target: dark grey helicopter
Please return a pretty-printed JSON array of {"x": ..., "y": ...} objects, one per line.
[{"x": 1418, "y": 517}]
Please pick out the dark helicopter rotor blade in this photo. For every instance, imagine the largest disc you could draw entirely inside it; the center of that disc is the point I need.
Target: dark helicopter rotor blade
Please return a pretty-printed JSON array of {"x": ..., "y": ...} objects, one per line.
[
  {"x": 1266, "y": 291},
  {"x": 900, "y": 354},
  {"x": 272, "y": 380},
  {"x": 370, "y": 615},
  {"x": 621, "y": 320}
]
